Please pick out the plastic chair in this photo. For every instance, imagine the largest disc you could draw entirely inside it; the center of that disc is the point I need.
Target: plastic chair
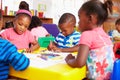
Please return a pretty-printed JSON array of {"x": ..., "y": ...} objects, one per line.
[
  {"x": 116, "y": 70},
  {"x": 52, "y": 29},
  {"x": 116, "y": 47},
  {"x": 45, "y": 41}
]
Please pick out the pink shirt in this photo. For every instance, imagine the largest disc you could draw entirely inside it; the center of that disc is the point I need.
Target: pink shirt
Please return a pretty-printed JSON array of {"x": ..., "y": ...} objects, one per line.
[
  {"x": 20, "y": 41},
  {"x": 95, "y": 38},
  {"x": 39, "y": 32}
]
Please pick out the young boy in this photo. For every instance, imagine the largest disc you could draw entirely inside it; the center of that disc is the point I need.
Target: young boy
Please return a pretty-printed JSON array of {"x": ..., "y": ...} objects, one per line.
[
  {"x": 67, "y": 40},
  {"x": 116, "y": 33}
]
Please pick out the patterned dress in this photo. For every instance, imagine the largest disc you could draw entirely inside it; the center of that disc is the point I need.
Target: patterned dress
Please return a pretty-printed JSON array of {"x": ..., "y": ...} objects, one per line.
[
  {"x": 100, "y": 63},
  {"x": 101, "y": 56}
]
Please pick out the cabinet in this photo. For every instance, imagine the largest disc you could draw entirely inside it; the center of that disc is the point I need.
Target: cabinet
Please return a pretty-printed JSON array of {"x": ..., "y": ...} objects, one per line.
[
  {"x": 10, "y": 18},
  {"x": 109, "y": 25}
]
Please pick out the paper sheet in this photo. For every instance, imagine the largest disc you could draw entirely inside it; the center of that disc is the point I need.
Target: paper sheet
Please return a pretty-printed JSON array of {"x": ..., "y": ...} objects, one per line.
[{"x": 51, "y": 58}]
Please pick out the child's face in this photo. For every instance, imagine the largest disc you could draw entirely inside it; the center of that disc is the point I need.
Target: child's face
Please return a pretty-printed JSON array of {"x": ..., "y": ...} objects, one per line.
[
  {"x": 66, "y": 28},
  {"x": 21, "y": 24},
  {"x": 83, "y": 21},
  {"x": 118, "y": 28}
]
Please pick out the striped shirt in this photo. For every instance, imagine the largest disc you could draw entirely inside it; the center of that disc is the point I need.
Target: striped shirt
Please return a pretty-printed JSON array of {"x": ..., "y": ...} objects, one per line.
[
  {"x": 67, "y": 41},
  {"x": 10, "y": 56}
]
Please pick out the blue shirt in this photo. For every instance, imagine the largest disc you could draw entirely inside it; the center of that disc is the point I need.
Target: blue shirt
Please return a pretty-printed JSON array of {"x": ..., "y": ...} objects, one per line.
[
  {"x": 10, "y": 56},
  {"x": 67, "y": 41}
]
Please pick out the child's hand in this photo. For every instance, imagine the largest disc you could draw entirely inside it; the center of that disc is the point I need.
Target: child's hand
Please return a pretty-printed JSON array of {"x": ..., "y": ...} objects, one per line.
[
  {"x": 51, "y": 45},
  {"x": 56, "y": 49},
  {"x": 47, "y": 35},
  {"x": 28, "y": 50},
  {"x": 69, "y": 57}
]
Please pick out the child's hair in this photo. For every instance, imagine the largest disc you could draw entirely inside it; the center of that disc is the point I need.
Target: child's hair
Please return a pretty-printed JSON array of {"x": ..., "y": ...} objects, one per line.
[
  {"x": 0, "y": 14},
  {"x": 35, "y": 22},
  {"x": 24, "y": 5},
  {"x": 117, "y": 22},
  {"x": 67, "y": 17},
  {"x": 98, "y": 8},
  {"x": 8, "y": 24}
]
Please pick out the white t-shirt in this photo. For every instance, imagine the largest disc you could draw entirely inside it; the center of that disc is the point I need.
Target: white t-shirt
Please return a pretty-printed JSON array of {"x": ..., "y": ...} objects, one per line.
[{"x": 115, "y": 33}]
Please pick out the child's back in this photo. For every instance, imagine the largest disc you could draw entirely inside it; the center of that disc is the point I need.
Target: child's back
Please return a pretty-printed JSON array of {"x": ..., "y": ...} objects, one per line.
[
  {"x": 10, "y": 56},
  {"x": 37, "y": 29},
  {"x": 95, "y": 38}
]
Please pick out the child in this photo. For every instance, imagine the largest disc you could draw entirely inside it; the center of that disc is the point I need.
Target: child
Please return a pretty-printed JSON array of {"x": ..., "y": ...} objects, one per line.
[
  {"x": 37, "y": 29},
  {"x": 10, "y": 56},
  {"x": 67, "y": 40},
  {"x": 95, "y": 46},
  {"x": 24, "y": 5},
  {"x": 8, "y": 24},
  {"x": 19, "y": 35},
  {"x": 116, "y": 33}
]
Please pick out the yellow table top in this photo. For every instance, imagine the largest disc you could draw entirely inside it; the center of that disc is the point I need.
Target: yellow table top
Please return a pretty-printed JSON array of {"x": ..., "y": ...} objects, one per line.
[{"x": 51, "y": 69}]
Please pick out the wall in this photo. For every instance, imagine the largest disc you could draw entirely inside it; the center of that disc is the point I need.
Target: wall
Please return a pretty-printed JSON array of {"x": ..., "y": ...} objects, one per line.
[
  {"x": 14, "y": 4},
  {"x": 53, "y": 8},
  {"x": 62, "y": 6}
]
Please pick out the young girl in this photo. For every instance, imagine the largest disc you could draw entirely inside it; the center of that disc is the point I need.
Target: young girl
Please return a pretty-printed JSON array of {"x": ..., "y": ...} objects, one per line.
[
  {"x": 24, "y": 5},
  {"x": 95, "y": 47},
  {"x": 37, "y": 29},
  {"x": 19, "y": 35}
]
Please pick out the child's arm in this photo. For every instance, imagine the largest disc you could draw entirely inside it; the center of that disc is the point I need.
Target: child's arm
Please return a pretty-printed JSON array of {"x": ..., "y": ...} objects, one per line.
[
  {"x": 71, "y": 49},
  {"x": 116, "y": 38},
  {"x": 51, "y": 46},
  {"x": 81, "y": 58},
  {"x": 34, "y": 46},
  {"x": 9, "y": 54}
]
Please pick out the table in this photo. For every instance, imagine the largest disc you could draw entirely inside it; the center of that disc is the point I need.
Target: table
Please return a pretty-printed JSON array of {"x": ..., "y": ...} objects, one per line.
[{"x": 55, "y": 69}]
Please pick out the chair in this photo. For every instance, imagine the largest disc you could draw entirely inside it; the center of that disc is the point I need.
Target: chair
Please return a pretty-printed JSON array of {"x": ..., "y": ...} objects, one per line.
[
  {"x": 116, "y": 48},
  {"x": 116, "y": 70},
  {"x": 52, "y": 29}
]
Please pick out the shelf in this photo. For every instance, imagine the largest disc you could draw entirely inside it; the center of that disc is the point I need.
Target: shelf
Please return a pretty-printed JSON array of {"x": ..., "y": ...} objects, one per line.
[{"x": 10, "y": 18}]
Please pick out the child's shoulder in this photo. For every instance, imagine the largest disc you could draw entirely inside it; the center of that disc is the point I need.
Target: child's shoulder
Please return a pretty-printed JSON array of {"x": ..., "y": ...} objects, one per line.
[
  {"x": 4, "y": 41},
  {"x": 7, "y": 31},
  {"x": 77, "y": 32}
]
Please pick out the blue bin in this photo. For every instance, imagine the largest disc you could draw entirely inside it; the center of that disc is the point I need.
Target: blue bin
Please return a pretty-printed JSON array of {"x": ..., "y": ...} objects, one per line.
[{"x": 116, "y": 70}]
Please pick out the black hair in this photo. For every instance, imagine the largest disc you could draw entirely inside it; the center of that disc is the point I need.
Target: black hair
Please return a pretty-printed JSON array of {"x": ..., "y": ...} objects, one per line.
[
  {"x": 0, "y": 14},
  {"x": 117, "y": 22},
  {"x": 35, "y": 22},
  {"x": 8, "y": 24},
  {"x": 24, "y": 5},
  {"x": 67, "y": 17},
  {"x": 98, "y": 8}
]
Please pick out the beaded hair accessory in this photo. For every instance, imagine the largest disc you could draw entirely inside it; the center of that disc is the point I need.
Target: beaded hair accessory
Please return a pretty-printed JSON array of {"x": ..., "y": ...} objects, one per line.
[{"x": 24, "y": 12}]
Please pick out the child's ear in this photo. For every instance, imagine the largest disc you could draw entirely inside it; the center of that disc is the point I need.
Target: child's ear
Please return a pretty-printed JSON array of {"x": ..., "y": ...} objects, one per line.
[
  {"x": 90, "y": 18},
  {"x": 93, "y": 19}
]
